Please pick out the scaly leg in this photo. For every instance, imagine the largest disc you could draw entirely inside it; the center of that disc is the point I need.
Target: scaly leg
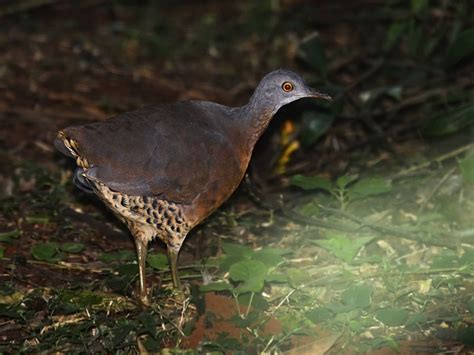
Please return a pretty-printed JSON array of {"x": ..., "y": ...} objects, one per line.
[
  {"x": 141, "y": 244},
  {"x": 173, "y": 260},
  {"x": 142, "y": 234}
]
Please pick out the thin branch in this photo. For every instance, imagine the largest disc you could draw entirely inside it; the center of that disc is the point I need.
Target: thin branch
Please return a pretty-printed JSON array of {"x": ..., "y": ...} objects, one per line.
[{"x": 438, "y": 160}]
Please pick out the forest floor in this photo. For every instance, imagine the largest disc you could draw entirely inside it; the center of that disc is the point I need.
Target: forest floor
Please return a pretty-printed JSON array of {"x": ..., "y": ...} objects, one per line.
[{"x": 352, "y": 233}]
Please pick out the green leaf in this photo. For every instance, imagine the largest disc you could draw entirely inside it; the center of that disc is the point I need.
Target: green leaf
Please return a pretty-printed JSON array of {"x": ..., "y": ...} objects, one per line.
[
  {"x": 393, "y": 317},
  {"x": 121, "y": 331},
  {"x": 431, "y": 44},
  {"x": 395, "y": 92},
  {"x": 311, "y": 52},
  {"x": 342, "y": 247},
  {"x": 369, "y": 187},
  {"x": 119, "y": 255},
  {"x": 248, "y": 269},
  {"x": 38, "y": 219},
  {"x": 297, "y": 277},
  {"x": 357, "y": 296},
  {"x": 319, "y": 315},
  {"x": 466, "y": 336},
  {"x": 416, "y": 319},
  {"x": 393, "y": 35},
  {"x": 444, "y": 261},
  {"x": 252, "y": 285},
  {"x": 309, "y": 209},
  {"x": 228, "y": 343},
  {"x": 419, "y": 6},
  {"x": 415, "y": 38},
  {"x": 8, "y": 236},
  {"x": 81, "y": 298},
  {"x": 461, "y": 48},
  {"x": 45, "y": 251},
  {"x": 2, "y": 252},
  {"x": 310, "y": 182},
  {"x": 356, "y": 326},
  {"x": 6, "y": 311},
  {"x": 257, "y": 301},
  {"x": 467, "y": 167},
  {"x": 251, "y": 272},
  {"x": 277, "y": 277},
  {"x": 313, "y": 125},
  {"x": 340, "y": 308},
  {"x": 370, "y": 96},
  {"x": 270, "y": 256},
  {"x": 227, "y": 261},
  {"x": 72, "y": 247},
  {"x": 148, "y": 322},
  {"x": 391, "y": 343},
  {"x": 450, "y": 121},
  {"x": 251, "y": 318},
  {"x": 343, "y": 181},
  {"x": 237, "y": 250},
  {"x": 470, "y": 305},
  {"x": 467, "y": 258},
  {"x": 158, "y": 261},
  {"x": 128, "y": 269},
  {"x": 215, "y": 286}
]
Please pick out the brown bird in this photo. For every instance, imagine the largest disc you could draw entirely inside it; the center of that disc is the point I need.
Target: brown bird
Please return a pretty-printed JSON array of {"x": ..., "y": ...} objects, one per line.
[{"x": 163, "y": 169}]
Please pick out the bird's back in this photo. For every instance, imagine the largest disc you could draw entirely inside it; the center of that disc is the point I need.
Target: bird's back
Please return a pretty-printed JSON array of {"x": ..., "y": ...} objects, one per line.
[{"x": 175, "y": 151}]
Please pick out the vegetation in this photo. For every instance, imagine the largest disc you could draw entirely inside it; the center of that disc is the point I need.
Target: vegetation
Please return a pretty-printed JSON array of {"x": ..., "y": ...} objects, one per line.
[{"x": 353, "y": 232}]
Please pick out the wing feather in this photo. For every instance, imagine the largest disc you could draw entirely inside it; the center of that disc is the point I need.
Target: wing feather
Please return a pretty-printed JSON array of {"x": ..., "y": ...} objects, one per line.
[{"x": 166, "y": 150}]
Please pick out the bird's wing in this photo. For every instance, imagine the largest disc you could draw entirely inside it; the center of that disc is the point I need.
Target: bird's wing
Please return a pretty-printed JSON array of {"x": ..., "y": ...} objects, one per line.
[{"x": 166, "y": 150}]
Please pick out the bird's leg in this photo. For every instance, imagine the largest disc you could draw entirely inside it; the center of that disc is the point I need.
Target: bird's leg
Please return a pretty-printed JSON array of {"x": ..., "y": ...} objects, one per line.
[
  {"x": 173, "y": 260},
  {"x": 140, "y": 236},
  {"x": 142, "y": 250}
]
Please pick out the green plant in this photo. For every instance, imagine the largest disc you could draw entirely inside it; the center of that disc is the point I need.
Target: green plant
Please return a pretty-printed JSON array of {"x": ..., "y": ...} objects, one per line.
[
  {"x": 346, "y": 189},
  {"x": 247, "y": 271}
]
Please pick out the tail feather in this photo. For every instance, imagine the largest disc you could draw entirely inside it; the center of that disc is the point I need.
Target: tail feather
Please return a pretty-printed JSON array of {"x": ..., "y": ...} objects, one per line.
[
  {"x": 60, "y": 144},
  {"x": 81, "y": 182},
  {"x": 68, "y": 147}
]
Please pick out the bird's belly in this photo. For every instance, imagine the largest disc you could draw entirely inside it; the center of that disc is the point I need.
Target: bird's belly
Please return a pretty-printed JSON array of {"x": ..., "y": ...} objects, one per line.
[
  {"x": 212, "y": 196},
  {"x": 166, "y": 218}
]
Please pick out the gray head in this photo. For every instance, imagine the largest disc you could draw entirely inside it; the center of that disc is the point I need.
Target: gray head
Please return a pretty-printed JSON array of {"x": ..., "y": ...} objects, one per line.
[{"x": 279, "y": 88}]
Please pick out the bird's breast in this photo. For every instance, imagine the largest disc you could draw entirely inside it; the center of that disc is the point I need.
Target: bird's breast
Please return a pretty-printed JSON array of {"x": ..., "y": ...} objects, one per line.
[{"x": 225, "y": 175}]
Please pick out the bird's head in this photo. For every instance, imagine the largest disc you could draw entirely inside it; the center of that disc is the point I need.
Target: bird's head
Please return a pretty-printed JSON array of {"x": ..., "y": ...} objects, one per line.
[{"x": 281, "y": 87}]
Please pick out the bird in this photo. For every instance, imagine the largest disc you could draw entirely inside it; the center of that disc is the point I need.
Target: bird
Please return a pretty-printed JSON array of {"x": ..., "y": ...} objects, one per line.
[{"x": 163, "y": 169}]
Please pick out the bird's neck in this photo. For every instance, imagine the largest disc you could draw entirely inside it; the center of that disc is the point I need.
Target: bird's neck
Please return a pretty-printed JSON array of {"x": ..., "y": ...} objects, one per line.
[{"x": 256, "y": 117}]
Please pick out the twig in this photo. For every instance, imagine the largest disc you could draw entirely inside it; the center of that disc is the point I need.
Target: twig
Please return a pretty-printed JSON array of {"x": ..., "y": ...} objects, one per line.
[
  {"x": 63, "y": 265},
  {"x": 433, "y": 239},
  {"x": 283, "y": 300},
  {"x": 162, "y": 316},
  {"x": 22, "y": 6},
  {"x": 297, "y": 217},
  {"x": 268, "y": 344},
  {"x": 333, "y": 280},
  {"x": 81, "y": 267},
  {"x": 438, "y": 160},
  {"x": 342, "y": 62},
  {"x": 411, "y": 254},
  {"x": 435, "y": 189},
  {"x": 249, "y": 305},
  {"x": 422, "y": 98},
  {"x": 374, "y": 69}
]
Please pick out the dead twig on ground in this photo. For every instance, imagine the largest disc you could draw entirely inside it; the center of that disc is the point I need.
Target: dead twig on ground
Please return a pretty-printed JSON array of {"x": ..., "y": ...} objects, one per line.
[
  {"x": 439, "y": 159},
  {"x": 22, "y": 6}
]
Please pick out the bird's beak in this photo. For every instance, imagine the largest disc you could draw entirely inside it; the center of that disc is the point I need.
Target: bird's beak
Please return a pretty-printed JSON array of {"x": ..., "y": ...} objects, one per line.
[{"x": 319, "y": 95}]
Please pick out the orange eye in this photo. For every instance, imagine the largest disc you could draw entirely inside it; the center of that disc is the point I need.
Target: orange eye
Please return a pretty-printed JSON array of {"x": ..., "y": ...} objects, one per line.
[{"x": 287, "y": 86}]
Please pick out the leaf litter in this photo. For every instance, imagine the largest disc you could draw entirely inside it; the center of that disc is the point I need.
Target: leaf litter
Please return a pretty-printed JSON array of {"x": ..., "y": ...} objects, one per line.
[{"x": 352, "y": 247}]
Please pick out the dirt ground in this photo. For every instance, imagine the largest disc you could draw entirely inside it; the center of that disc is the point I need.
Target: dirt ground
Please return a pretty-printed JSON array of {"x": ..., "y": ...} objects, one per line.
[{"x": 374, "y": 256}]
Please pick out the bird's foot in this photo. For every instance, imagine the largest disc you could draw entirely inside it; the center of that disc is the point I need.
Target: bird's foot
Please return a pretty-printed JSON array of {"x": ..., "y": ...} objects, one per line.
[
  {"x": 145, "y": 300},
  {"x": 180, "y": 294}
]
